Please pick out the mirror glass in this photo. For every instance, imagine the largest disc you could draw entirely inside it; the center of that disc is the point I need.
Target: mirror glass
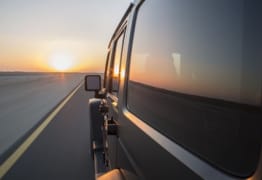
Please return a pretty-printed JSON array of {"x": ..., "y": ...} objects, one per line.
[{"x": 92, "y": 82}]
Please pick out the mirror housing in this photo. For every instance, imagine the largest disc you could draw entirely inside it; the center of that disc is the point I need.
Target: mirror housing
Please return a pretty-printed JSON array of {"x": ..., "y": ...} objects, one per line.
[{"x": 93, "y": 83}]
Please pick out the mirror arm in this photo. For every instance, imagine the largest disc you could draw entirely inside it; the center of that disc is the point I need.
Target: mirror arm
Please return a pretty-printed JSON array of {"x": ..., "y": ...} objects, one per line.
[{"x": 100, "y": 93}]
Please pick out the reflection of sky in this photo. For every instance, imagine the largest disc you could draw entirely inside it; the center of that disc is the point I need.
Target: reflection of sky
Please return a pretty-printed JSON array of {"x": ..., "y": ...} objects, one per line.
[
  {"x": 118, "y": 54},
  {"x": 177, "y": 63},
  {"x": 202, "y": 49}
]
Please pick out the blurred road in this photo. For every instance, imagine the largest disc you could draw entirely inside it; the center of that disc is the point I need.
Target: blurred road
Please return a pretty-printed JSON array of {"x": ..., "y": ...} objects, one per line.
[
  {"x": 62, "y": 150},
  {"x": 26, "y": 98}
]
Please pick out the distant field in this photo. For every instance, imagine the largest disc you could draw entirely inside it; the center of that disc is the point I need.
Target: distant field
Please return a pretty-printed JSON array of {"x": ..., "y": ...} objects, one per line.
[{"x": 26, "y": 98}]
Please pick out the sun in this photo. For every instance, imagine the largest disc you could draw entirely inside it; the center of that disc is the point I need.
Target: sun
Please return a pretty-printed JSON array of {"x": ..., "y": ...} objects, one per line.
[{"x": 61, "y": 61}]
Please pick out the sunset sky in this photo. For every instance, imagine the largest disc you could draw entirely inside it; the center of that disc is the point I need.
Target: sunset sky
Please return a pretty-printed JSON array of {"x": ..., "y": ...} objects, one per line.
[{"x": 57, "y": 35}]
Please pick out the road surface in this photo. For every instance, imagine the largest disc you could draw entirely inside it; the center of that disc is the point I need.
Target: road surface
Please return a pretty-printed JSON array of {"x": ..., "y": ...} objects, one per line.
[
  {"x": 25, "y": 100},
  {"x": 62, "y": 150}
]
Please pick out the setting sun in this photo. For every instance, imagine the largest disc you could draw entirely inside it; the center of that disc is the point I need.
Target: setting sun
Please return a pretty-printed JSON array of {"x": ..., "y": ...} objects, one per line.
[{"x": 61, "y": 61}]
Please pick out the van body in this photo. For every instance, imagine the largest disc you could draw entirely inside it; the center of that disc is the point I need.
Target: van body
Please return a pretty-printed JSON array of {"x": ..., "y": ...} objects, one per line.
[{"x": 181, "y": 95}]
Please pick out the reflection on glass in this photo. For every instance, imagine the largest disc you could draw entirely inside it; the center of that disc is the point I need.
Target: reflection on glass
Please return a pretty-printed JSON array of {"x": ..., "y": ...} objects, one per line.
[
  {"x": 199, "y": 50},
  {"x": 117, "y": 63},
  {"x": 122, "y": 74},
  {"x": 177, "y": 63},
  {"x": 116, "y": 70}
]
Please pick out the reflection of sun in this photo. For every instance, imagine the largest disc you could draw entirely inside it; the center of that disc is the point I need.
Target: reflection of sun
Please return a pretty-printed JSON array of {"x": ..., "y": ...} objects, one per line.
[
  {"x": 116, "y": 71},
  {"x": 61, "y": 61}
]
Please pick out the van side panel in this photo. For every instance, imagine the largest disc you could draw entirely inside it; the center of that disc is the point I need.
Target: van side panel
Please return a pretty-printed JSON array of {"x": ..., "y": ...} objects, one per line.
[{"x": 151, "y": 160}]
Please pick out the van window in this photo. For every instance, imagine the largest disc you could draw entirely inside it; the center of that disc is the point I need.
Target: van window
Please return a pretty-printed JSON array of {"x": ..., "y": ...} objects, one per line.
[
  {"x": 117, "y": 62},
  {"x": 107, "y": 70},
  {"x": 197, "y": 48},
  {"x": 195, "y": 75}
]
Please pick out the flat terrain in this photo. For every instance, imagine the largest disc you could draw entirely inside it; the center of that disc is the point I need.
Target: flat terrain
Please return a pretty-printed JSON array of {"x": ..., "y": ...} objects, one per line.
[{"x": 26, "y": 98}]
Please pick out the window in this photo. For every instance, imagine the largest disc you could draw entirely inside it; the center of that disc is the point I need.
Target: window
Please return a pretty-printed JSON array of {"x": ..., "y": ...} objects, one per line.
[
  {"x": 113, "y": 64},
  {"x": 107, "y": 71},
  {"x": 195, "y": 75},
  {"x": 196, "y": 48},
  {"x": 117, "y": 62}
]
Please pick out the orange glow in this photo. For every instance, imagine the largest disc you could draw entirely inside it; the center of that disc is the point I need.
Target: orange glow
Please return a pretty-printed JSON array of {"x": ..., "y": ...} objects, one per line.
[
  {"x": 26, "y": 41},
  {"x": 49, "y": 56},
  {"x": 116, "y": 70},
  {"x": 61, "y": 61},
  {"x": 122, "y": 74}
]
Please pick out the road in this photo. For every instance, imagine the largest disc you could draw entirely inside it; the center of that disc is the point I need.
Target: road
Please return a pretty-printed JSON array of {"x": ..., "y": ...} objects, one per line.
[
  {"x": 25, "y": 100},
  {"x": 62, "y": 150}
]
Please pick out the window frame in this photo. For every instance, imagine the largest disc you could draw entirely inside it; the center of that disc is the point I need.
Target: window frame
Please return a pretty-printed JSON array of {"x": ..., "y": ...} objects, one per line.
[{"x": 107, "y": 66}]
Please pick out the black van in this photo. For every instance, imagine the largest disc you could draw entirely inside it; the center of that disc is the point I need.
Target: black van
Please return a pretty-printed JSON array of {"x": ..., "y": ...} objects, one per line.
[{"x": 181, "y": 96}]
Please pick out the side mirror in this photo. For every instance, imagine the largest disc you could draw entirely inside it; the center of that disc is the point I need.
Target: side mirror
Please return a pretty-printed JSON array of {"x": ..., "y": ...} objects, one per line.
[{"x": 93, "y": 83}]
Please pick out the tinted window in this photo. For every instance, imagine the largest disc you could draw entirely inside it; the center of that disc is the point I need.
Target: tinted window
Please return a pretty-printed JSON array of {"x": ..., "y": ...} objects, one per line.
[
  {"x": 198, "y": 48},
  {"x": 117, "y": 62},
  {"x": 107, "y": 71},
  {"x": 195, "y": 75}
]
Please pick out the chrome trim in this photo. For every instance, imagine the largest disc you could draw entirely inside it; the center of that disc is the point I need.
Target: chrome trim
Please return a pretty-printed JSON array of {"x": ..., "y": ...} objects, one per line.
[
  {"x": 194, "y": 163},
  {"x": 121, "y": 22}
]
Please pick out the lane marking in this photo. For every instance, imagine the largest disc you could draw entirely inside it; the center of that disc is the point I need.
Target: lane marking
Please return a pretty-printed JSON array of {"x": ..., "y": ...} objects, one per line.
[{"x": 6, "y": 166}]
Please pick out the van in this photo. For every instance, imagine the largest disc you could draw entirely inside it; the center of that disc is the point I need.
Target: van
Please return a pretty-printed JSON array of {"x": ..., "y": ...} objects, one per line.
[{"x": 181, "y": 95}]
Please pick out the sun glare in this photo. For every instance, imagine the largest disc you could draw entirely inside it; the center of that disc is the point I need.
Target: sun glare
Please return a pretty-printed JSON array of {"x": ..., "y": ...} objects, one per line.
[
  {"x": 61, "y": 61},
  {"x": 116, "y": 70}
]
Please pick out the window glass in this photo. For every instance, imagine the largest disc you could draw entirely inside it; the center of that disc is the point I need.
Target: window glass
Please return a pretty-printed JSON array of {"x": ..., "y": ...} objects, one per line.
[
  {"x": 195, "y": 76},
  {"x": 107, "y": 71},
  {"x": 117, "y": 63},
  {"x": 197, "y": 48}
]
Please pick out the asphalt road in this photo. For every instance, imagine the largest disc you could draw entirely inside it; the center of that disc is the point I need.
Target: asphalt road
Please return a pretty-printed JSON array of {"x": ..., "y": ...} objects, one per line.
[
  {"x": 26, "y": 98},
  {"x": 62, "y": 150}
]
